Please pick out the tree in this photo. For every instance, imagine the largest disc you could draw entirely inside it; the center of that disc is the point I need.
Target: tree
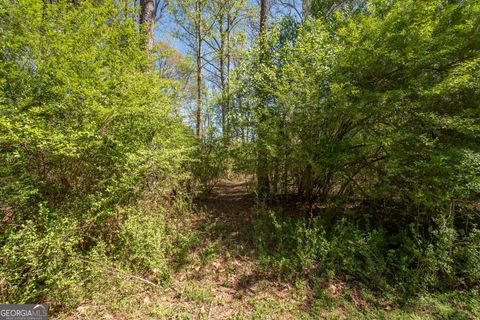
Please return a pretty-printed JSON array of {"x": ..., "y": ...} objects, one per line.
[
  {"x": 198, "y": 53},
  {"x": 189, "y": 15},
  {"x": 147, "y": 23},
  {"x": 222, "y": 39},
  {"x": 263, "y": 180}
]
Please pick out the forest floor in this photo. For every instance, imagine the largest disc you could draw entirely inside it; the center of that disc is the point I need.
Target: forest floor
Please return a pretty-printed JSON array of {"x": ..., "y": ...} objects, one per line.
[
  {"x": 220, "y": 279},
  {"x": 219, "y": 276}
]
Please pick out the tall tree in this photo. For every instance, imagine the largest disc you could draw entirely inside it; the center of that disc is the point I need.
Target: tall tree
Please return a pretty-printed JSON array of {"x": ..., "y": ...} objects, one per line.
[
  {"x": 262, "y": 165},
  {"x": 198, "y": 53},
  {"x": 227, "y": 17},
  {"x": 189, "y": 16},
  {"x": 147, "y": 23}
]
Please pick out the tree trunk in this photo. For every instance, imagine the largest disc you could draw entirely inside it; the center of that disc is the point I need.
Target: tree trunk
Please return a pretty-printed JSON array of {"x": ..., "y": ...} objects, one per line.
[
  {"x": 263, "y": 20},
  {"x": 306, "y": 4},
  {"x": 198, "y": 36},
  {"x": 227, "y": 103},
  {"x": 222, "y": 77},
  {"x": 147, "y": 23},
  {"x": 262, "y": 166}
]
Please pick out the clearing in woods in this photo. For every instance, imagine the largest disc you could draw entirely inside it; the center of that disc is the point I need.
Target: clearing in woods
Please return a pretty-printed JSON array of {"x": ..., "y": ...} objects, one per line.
[{"x": 219, "y": 278}]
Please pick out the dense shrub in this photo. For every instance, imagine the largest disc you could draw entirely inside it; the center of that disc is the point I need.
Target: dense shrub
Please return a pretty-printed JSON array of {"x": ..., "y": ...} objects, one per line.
[
  {"x": 379, "y": 105},
  {"x": 210, "y": 164},
  {"x": 144, "y": 243},
  {"x": 86, "y": 129},
  {"x": 39, "y": 258},
  {"x": 371, "y": 120},
  {"x": 407, "y": 261}
]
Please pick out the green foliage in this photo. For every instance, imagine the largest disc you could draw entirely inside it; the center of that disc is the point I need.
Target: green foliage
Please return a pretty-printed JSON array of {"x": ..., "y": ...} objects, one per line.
[
  {"x": 377, "y": 104},
  {"x": 86, "y": 130},
  {"x": 406, "y": 261},
  {"x": 368, "y": 111},
  {"x": 372, "y": 118},
  {"x": 211, "y": 163},
  {"x": 375, "y": 111},
  {"x": 80, "y": 116},
  {"x": 288, "y": 244},
  {"x": 40, "y": 259},
  {"x": 143, "y": 243}
]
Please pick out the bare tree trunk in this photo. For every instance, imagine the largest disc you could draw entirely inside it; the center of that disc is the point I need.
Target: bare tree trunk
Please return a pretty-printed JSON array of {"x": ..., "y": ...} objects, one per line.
[
  {"x": 263, "y": 20},
  {"x": 262, "y": 166},
  {"x": 198, "y": 36},
  {"x": 306, "y": 4},
  {"x": 227, "y": 103},
  {"x": 147, "y": 23},
  {"x": 222, "y": 76}
]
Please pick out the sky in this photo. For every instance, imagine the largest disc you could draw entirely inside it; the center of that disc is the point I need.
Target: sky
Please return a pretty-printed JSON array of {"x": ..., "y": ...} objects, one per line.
[{"x": 166, "y": 27}]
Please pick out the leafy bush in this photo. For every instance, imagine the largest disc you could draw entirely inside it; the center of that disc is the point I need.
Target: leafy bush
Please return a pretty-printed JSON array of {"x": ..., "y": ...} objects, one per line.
[
  {"x": 86, "y": 129},
  {"x": 406, "y": 260},
  {"x": 143, "y": 242},
  {"x": 79, "y": 129},
  {"x": 210, "y": 164},
  {"x": 371, "y": 107},
  {"x": 373, "y": 102},
  {"x": 39, "y": 258}
]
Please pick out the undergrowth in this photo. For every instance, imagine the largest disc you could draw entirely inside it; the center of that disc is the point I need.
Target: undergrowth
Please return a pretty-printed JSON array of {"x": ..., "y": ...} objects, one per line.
[
  {"x": 66, "y": 261},
  {"x": 369, "y": 263}
]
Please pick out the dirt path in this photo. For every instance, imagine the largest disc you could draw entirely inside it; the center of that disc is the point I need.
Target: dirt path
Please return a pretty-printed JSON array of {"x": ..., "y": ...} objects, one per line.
[
  {"x": 229, "y": 210},
  {"x": 220, "y": 278}
]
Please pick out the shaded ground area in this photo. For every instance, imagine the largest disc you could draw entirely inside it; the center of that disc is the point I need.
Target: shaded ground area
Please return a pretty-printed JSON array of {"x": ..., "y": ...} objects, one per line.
[
  {"x": 228, "y": 210},
  {"x": 220, "y": 279}
]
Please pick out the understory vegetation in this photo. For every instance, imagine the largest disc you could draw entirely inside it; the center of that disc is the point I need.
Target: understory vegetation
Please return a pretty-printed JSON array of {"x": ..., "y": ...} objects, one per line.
[
  {"x": 319, "y": 165},
  {"x": 372, "y": 118},
  {"x": 90, "y": 150}
]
